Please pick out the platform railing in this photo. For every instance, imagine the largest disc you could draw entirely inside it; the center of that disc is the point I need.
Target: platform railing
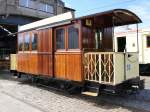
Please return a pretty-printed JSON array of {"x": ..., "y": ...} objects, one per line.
[{"x": 99, "y": 67}]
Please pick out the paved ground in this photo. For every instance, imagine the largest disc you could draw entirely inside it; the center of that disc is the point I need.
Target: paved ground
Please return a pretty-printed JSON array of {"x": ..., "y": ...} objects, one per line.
[
  {"x": 10, "y": 104},
  {"x": 21, "y": 96}
]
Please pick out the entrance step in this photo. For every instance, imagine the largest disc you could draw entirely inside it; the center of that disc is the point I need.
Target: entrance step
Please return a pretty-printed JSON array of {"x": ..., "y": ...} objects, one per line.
[
  {"x": 90, "y": 93},
  {"x": 91, "y": 89}
]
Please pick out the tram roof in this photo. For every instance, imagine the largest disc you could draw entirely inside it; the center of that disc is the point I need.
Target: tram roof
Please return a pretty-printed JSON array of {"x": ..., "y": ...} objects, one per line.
[{"x": 115, "y": 17}]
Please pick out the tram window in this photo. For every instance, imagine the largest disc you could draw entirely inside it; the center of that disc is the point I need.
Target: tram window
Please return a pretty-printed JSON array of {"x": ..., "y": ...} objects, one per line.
[
  {"x": 60, "y": 38},
  {"x": 34, "y": 41},
  {"x": 148, "y": 41},
  {"x": 98, "y": 39},
  {"x": 73, "y": 37},
  {"x": 27, "y": 42},
  {"x": 121, "y": 43},
  {"x": 20, "y": 42}
]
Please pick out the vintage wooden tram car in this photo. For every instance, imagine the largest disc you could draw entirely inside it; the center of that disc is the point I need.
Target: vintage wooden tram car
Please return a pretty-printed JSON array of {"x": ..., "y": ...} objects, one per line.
[{"x": 79, "y": 50}]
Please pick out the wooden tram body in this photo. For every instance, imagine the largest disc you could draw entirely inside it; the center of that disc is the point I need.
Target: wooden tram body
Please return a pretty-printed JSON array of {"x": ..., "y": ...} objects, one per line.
[{"x": 77, "y": 49}]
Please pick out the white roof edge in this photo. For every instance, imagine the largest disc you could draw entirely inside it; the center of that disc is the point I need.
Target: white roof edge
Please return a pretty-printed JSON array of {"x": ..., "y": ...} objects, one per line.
[{"x": 47, "y": 21}]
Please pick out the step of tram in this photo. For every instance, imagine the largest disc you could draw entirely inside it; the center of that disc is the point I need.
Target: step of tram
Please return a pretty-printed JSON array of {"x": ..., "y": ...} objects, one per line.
[
  {"x": 90, "y": 93},
  {"x": 91, "y": 89}
]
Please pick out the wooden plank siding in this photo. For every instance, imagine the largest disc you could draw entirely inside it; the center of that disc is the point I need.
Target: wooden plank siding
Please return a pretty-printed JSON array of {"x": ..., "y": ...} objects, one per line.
[
  {"x": 74, "y": 66},
  {"x": 68, "y": 62},
  {"x": 68, "y": 66},
  {"x": 89, "y": 42},
  {"x": 46, "y": 61},
  {"x": 37, "y": 62},
  {"x": 45, "y": 54}
]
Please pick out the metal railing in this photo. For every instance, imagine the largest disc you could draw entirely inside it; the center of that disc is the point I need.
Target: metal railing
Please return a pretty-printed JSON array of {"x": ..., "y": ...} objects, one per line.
[{"x": 99, "y": 67}]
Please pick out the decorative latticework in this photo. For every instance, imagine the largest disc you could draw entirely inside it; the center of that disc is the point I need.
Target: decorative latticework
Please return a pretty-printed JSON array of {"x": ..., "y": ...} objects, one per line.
[{"x": 99, "y": 67}]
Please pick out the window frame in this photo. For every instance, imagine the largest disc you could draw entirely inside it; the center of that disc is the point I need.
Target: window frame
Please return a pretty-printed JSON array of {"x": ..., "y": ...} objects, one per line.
[
  {"x": 65, "y": 47},
  {"x": 98, "y": 36},
  {"x": 79, "y": 47},
  {"x": 46, "y": 7},
  {"x": 147, "y": 36},
  {"x": 29, "y": 47},
  {"x": 31, "y": 42},
  {"x": 26, "y": 3},
  {"x": 20, "y": 35},
  {"x": 60, "y": 3},
  {"x": 29, "y": 4},
  {"x": 39, "y": 8}
]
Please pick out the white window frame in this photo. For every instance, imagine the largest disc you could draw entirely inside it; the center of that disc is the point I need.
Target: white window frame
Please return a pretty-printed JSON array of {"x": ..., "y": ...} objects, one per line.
[
  {"x": 47, "y": 8},
  {"x": 26, "y": 3}
]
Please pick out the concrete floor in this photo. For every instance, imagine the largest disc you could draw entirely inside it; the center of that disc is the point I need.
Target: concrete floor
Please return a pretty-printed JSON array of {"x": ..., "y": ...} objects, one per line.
[
  {"x": 10, "y": 104},
  {"x": 19, "y": 95}
]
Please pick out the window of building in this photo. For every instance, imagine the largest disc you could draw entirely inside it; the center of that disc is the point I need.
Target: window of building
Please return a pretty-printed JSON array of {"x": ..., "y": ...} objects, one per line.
[
  {"x": 20, "y": 42},
  {"x": 42, "y": 6},
  {"x": 34, "y": 41},
  {"x": 46, "y": 7},
  {"x": 73, "y": 37},
  {"x": 27, "y": 42},
  {"x": 23, "y": 3},
  {"x": 148, "y": 41},
  {"x": 49, "y": 8},
  {"x": 32, "y": 4},
  {"x": 60, "y": 38},
  {"x": 60, "y": 3}
]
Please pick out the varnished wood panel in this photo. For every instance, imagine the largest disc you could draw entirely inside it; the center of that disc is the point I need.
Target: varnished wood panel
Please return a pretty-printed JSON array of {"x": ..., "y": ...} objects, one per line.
[
  {"x": 20, "y": 63},
  {"x": 38, "y": 62},
  {"x": 27, "y": 63},
  {"x": 45, "y": 61},
  {"x": 39, "y": 41},
  {"x": 45, "y": 40},
  {"x": 107, "y": 41},
  {"x": 87, "y": 35},
  {"x": 33, "y": 63},
  {"x": 68, "y": 66},
  {"x": 73, "y": 67},
  {"x": 89, "y": 42},
  {"x": 45, "y": 65},
  {"x": 60, "y": 66}
]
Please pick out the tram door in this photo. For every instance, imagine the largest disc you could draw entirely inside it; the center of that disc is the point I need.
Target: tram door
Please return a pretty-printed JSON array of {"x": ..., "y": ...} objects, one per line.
[{"x": 121, "y": 44}]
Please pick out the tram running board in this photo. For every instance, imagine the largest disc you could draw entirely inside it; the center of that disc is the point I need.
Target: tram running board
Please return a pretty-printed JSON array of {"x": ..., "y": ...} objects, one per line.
[
  {"x": 91, "y": 89},
  {"x": 90, "y": 93}
]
